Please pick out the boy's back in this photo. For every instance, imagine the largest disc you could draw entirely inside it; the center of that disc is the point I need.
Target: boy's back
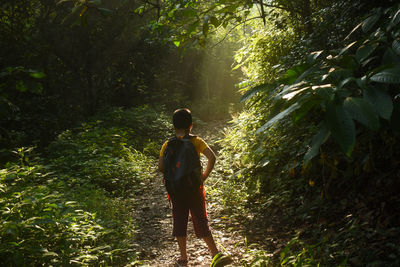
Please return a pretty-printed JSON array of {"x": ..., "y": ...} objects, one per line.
[{"x": 199, "y": 144}]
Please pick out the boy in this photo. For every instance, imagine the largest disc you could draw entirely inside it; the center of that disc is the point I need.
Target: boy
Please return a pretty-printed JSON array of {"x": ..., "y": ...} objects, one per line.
[{"x": 195, "y": 203}]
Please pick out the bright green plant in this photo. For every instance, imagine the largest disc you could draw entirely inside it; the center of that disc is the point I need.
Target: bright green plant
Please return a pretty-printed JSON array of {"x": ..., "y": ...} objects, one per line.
[
  {"x": 347, "y": 99},
  {"x": 355, "y": 84},
  {"x": 41, "y": 223},
  {"x": 143, "y": 125},
  {"x": 76, "y": 209},
  {"x": 100, "y": 156}
]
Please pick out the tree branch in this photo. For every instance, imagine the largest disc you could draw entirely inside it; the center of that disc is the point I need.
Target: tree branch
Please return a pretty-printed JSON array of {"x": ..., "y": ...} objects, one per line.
[
  {"x": 234, "y": 27},
  {"x": 156, "y": 5},
  {"x": 262, "y": 12},
  {"x": 261, "y": 2}
]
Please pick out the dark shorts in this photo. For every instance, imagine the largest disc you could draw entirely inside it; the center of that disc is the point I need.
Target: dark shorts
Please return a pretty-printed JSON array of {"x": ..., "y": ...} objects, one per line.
[{"x": 196, "y": 204}]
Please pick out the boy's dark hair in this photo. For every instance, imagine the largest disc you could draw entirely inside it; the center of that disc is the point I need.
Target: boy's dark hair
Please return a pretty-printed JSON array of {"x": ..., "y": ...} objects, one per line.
[{"x": 182, "y": 118}]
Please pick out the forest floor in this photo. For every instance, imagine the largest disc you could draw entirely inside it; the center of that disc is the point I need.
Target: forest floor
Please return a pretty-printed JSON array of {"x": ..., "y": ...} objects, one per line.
[
  {"x": 233, "y": 233},
  {"x": 158, "y": 247}
]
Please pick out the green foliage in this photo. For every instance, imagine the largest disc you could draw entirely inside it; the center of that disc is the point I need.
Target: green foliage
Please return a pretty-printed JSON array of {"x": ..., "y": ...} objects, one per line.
[
  {"x": 74, "y": 206},
  {"x": 315, "y": 141},
  {"x": 339, "y": 85},
  {"x": 107, "y": 156},
  {"x": 189, "y": 22},
  {"x": 262, "y": 53},
  {"x": 144, "y": 124},
  {"x": 297, "y": 253},
  {"x": 80, "y": 10},
  {"x": 260, "y": 164},
  {"x": 43, "y": 222}
]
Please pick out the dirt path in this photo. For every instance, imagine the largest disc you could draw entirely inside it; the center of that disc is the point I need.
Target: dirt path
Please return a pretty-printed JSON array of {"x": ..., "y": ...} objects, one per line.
[{"x": 156, "y": 245}]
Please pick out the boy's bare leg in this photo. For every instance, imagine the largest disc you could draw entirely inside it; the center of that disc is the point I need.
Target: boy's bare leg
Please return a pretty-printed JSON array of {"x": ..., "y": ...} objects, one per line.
[
  {"x": 182, "y": 246},
  {"x": 211, "y": 245}
]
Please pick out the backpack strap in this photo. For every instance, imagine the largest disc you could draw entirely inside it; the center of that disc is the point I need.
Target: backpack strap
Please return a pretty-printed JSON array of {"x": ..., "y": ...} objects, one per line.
[{"x": 187, "y": 136}]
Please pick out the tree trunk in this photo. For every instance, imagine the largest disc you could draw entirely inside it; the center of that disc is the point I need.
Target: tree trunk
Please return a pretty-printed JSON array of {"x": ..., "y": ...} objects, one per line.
[{"x": 307, "y": 16}]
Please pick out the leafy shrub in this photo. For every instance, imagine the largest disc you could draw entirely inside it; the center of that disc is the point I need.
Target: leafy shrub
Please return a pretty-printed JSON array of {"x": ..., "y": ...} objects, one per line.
[
  {"x": 99, "y": 156},
  {"x": 74, "y": 205},
  {"x": 318, "y": 147},
  {"x": 43, "y": 223},
  {"x": 144, "y": 124},
  {"x": 357, "y": 83}
]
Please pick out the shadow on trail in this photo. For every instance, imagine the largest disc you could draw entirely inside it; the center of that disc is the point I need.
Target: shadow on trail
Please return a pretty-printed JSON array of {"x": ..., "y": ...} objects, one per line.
[
  {"x": 263, "y": 230},
  {"x": 153, "y": 217}
]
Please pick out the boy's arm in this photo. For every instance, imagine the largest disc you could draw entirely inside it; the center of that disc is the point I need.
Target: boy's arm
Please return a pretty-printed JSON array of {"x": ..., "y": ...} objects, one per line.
[{"x": 210, "y": 164}]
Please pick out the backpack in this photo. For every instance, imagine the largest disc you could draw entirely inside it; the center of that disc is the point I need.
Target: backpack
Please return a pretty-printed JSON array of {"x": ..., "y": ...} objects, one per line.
[{"x": 182, "y": 167}]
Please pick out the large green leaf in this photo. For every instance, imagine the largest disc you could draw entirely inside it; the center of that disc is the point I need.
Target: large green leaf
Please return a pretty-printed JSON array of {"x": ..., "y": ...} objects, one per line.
[
  {"x": 365, "y": 51},
  {"x": 305, "y": 108},
  {"x": 348, "y": 62},
  {"x": 252, "y": 91},
  {"x": 293, "y": 73},
  {"x": 336, "y": 75},
  {"x": 291, "y": 95},
  {"x": 390, "y": 58},
  {"x": 362, "y": 82},
  {"x": 380, "y": 100},
  {"x": 345, "y": 82},
  {"x": 347, "y": 48},
  {"x": 391, "y": 75},
  {"x": 278, "y": 117},
  {"x": 396, "y": 46},
  {"x": 318, "y": 139},
  {"x": 369, "y": 22},
  {"x": 342, "y": 127},
  {"x": 396, "y": 18},
  {"x": 313, "y": 70},
  {"x": 313, "y": 56},
  {"x": 325, "y": 93},
  {"x": 288, "y": 89},
  {"x": 362, "y": 111}
]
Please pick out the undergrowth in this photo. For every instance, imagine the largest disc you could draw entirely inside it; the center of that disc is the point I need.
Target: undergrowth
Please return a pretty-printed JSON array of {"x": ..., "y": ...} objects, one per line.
[
  {"x": 319, "y": 216},
  {"x": 72, "y": 204},
  {"x": 325, "y": 202}
]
